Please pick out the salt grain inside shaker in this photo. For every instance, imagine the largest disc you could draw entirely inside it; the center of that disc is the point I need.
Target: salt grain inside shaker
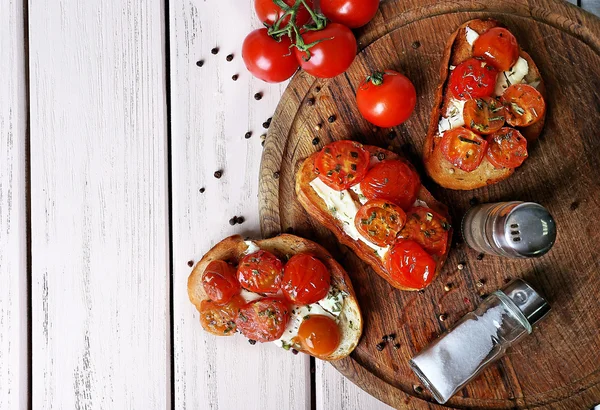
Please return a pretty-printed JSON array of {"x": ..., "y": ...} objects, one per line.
[{"x": 478, "y": 339}]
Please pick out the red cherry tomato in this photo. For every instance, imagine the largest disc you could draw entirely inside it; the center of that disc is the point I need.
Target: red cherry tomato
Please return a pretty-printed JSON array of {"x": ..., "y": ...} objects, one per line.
[
  {"x": 350, "y": 13},
  {"x": 428, "y": 229},
  {"x": 332, "y": 55},
  {"x": 220, "y": 319},
  {"x": 220, "y": 282},
  {"x": 484, "y": 115},
  {"x": 409, "y": 265},
  {"x": 268, "y": 59},
  {"x": 260, "y": 272},
  {"x": 524, "y": 105},
  {"x": 342, "y": 164},
  {"x": 319, "y": 335},
  {"x": 305, "y": 279},
  {"x": 380, "y": 221},
  {"x": 498, "y": 46},
  {"x": 268, "y": 12},
  {"x": 463, "y": 148},
  {"x": 507, "y": 148},
  {"x": 394, "y": 181},
  {"x": 473, "y": 78},
  {"x": 386, "y": 100},
  {"x": 263, "y": 320}
]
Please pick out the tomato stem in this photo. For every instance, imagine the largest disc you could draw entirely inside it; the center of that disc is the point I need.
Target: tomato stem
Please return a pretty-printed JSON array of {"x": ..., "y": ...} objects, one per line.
[{"x": 376, "y": 78}]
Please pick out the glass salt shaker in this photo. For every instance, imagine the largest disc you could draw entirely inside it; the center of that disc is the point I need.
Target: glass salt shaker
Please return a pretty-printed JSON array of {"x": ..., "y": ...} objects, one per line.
[
  {"x": 511, "y": 229},
  {"x": 478, "y": 339}
]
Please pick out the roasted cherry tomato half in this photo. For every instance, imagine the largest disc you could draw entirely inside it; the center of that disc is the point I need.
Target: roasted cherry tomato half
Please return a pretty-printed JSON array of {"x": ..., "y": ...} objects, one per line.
[
  {"x": 428, "y": 229},
  {"x": 260, "y": 272},
  {"x": 380, "y": 221},
  {"x": 507, "y": 148},
  {"x": 386, "y": 99},
  {"x": 524, "y": 105},
  {"x": 484, "y": 115},
  {"x": 342, "y": 164},
  {"x": 350, "y": 13},
  {"x": 268, "y": 12},
  {"x": 263, "y": 320},
  {"x": 499, "y": 47},
  {"x": 220, "y": 282},
  {"x": 319, "y": 335},
  {"x": 305, "y": 279},
  {"x": 463, "y": 148},
  {"x": 220, "y": 319},
  {"x": 394, "y": 181},
  {"x": 268, "y": 59},
  {"x": 409, "y": 265},
  {"x": 333, "y": 53},
  {"x": 473, "y": 78}
]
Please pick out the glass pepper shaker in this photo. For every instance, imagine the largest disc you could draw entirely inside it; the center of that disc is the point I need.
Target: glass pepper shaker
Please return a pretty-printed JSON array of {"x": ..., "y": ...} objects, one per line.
[
  {"x": 511, "y": 229},
  {"x": 478, "y": 339}
]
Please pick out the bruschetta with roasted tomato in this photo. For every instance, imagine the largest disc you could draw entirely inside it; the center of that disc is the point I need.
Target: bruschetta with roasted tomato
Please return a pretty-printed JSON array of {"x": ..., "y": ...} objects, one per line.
[
  {"x": 489, "y": 106},
  {"x": 286, "y": 290},
  {"x": 374, "y": 203}
]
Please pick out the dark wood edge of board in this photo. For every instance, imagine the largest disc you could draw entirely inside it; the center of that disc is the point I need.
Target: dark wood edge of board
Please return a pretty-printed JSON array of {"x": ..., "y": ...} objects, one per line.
[{"x": 556, "y": 13}]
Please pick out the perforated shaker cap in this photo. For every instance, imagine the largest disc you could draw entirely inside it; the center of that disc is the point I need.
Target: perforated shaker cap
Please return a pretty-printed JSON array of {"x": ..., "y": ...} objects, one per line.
[
  {"x": 533, "y": 306},
  {"x": 528, "y": 230}
]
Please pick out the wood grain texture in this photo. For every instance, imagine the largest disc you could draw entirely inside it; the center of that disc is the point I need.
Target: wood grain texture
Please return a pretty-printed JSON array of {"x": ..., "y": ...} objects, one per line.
[
  {"x": 13, "y": 209},
  {"x": 210, "y": 115},
  {"x": 100, "y": 262},
  {"x": 553, "y": 368}
]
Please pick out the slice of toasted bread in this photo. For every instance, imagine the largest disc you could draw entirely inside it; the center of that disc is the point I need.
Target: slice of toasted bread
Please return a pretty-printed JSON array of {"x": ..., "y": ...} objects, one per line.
[
  {"x": 316, "y": 207},
  {"x": 437, "y": 166},
  {"x": 233, "y": 249}
]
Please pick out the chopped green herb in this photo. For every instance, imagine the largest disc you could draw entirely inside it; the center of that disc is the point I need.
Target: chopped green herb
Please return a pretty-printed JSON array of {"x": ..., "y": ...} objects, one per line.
[
  {"x": 463, "y": 139},
  {"x": 306, "y": 317}
]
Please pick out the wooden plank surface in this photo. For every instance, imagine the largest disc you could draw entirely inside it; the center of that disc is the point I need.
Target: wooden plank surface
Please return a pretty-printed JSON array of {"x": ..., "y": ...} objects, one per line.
[
  {"x": 210, "y": 115},
  {"x": 99, "y": 219},
  {"x": 13, "y": 208}
]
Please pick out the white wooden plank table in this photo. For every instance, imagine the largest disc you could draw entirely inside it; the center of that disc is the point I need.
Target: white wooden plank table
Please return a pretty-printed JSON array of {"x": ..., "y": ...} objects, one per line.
[{"x": 108, "y": 131}]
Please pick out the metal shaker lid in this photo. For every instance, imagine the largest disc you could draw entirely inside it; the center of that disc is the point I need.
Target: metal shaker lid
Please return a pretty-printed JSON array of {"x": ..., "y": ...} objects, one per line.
[
  {"x": 529, "y": 230},
  {"x": 533, "y": 306}
]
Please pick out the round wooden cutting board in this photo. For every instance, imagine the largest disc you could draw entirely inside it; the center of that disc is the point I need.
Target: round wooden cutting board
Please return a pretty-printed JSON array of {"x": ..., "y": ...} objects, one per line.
[{"x": 558, "y": 366}]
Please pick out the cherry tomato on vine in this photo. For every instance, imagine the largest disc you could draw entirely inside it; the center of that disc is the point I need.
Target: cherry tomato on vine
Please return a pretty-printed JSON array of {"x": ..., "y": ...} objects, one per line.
[
  {"x": 463, "y": 148},
  {"x": 386, "y": 99},
  {"x": 332, "y": 54},
  {"x": 268, "y": 12},
  {"x": 499, "y": 47},
  {"x": 305, "y": 279},
  {"x": 220, "y": 282},
  {"x": 350, "y": 13},
  {"x": 473, "y": 78},
  {"x": 409, "y": 265},
  {"x": 268, "y": 59},
  {"x": 507, "y": 148},
  {"x": 342, "y": 164},
  {"x": 319, "y": 335},
  {"x": 524, "y": 105},
  {"x": 394, "y": 181}
]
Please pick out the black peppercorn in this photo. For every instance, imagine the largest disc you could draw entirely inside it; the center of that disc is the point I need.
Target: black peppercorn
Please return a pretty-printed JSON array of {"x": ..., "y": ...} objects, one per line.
[
  {"x": 318, "y": 89},
  {"x": 381, "y": 156},
  {"x": 235, "y": 77},
  {"x": 310, "y": 101},
  {"x": 252, "y": 342},
  {"x": 190, "y": 263},
  {"x": 331, "y": 119},
  {"x": 262, "y": 143},
  {"x": 276, "y": 174},
  {"x": 200, "y": 63},
  {"x": 215, "y": 50},
  {"x": 202, "y": 190},
  {"x": 248, "y": 135},
  {"x": 229, "y": 57},
  {"x": 397, "y": 346},
  {"x": 258, "y": 96},
  {"x": 233, "y": 221},
  {"x": 416, "y": 44},
  {"x": 294, "y": 351},
  {"x": 266, "y": 124},
  {"x": 380, "y": 346},
  {"x": 480, "y": 256},
  {"x": 316, "y": 141},
  {"x": 473, "y": 201},
  {"x": 392, "y": 336},
  {"x": 385, "y": 338},
  {"x": 418, "y": 389},
  {"x": 218, "y": 174},
  {"x": 241, "y": 219}
]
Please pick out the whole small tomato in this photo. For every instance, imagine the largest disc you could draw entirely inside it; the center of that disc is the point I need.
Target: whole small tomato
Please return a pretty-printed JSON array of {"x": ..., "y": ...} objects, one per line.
[
  {"x": 333, "y": 51},
  {"x": 268, "y": 59},
  {"x": 351, "y": 13},
  {"x": 386, "y": 99},
  {"x": 268, "y": 12}
]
